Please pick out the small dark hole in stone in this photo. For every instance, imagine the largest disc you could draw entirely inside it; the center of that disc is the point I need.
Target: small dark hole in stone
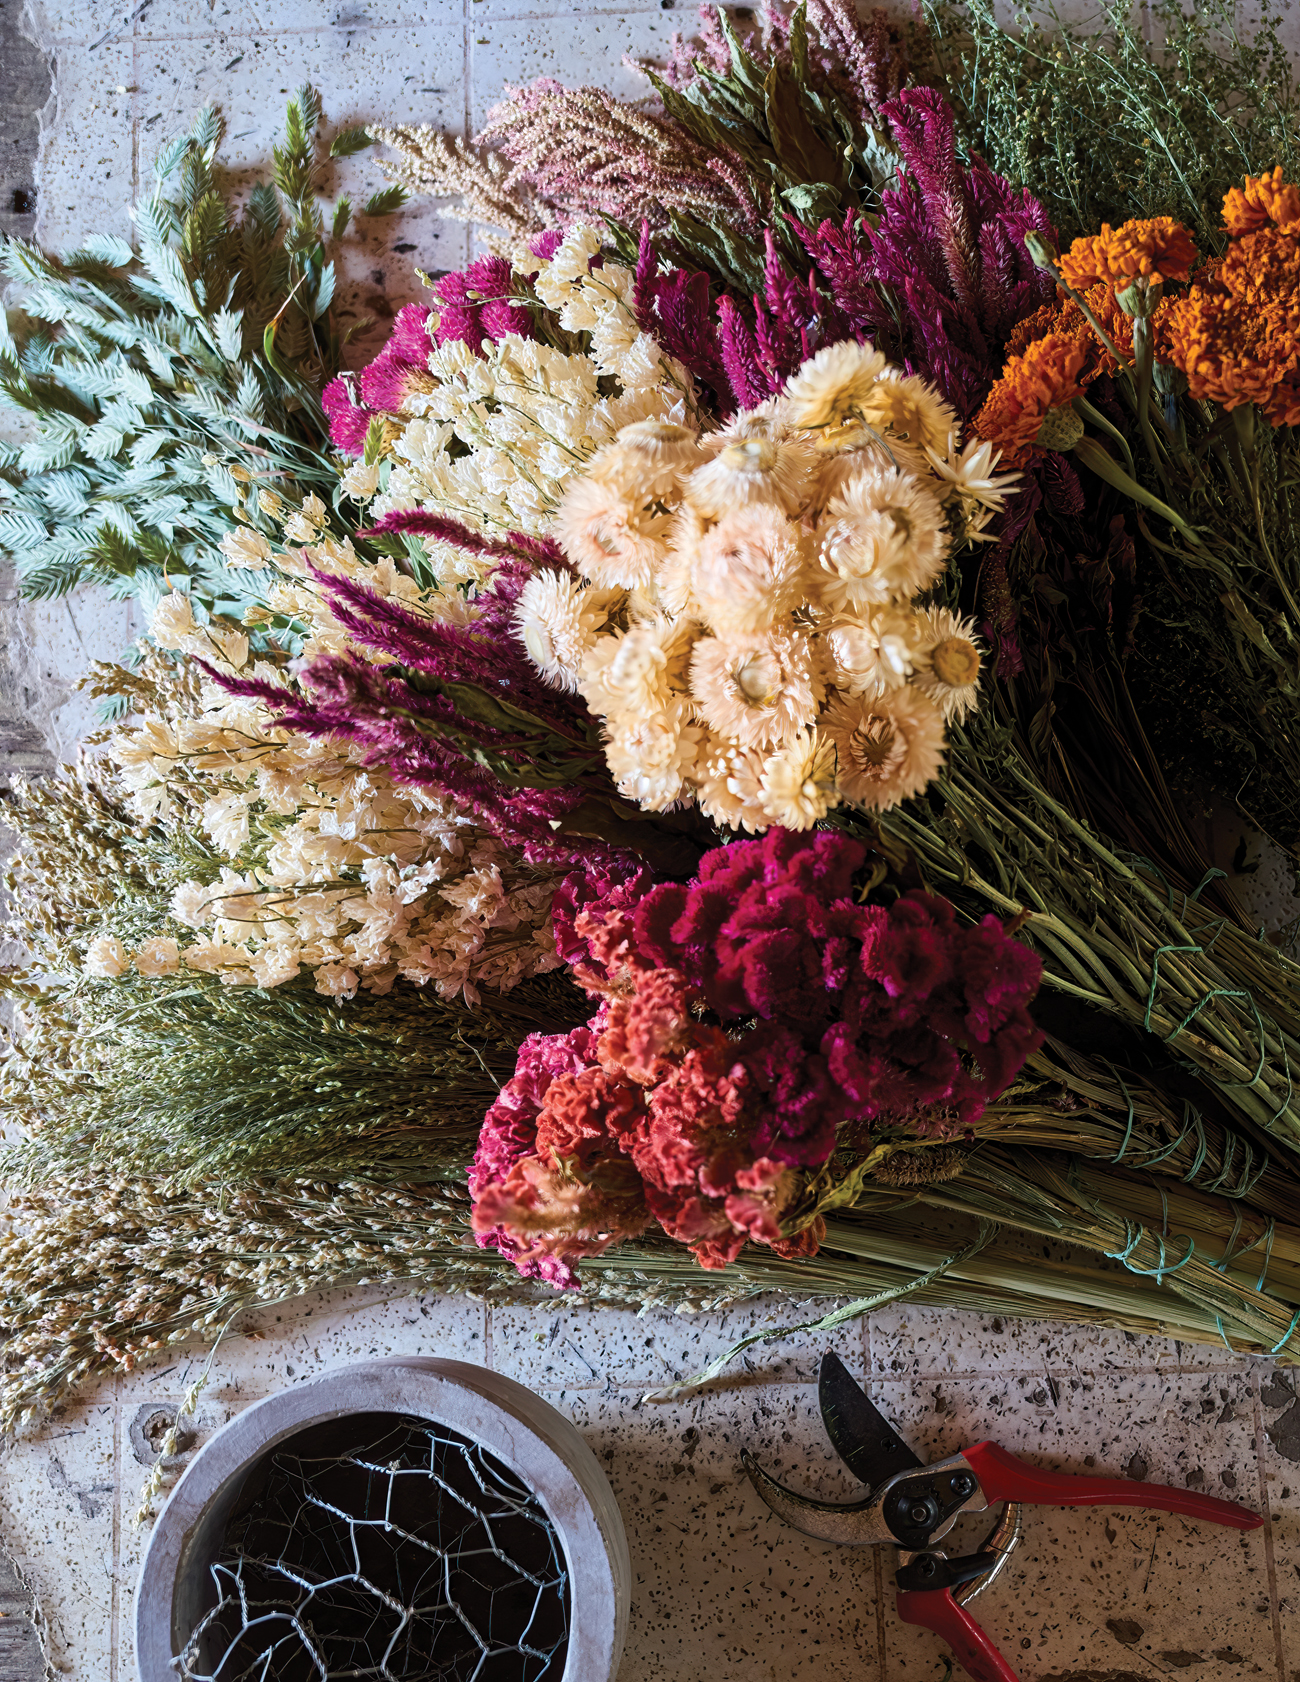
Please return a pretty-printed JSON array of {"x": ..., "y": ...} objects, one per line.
[{"x": 24, "y": 201}]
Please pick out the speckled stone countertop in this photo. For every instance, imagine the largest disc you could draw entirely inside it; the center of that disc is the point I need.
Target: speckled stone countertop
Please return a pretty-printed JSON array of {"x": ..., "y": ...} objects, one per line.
[{"x": 722, "y": 1591}]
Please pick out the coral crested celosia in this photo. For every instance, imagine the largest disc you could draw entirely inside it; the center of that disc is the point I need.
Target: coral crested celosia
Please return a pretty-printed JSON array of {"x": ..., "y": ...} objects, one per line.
[
  {"x": 749, "y": 1018},
  {"x": 1046, "y": 376}
]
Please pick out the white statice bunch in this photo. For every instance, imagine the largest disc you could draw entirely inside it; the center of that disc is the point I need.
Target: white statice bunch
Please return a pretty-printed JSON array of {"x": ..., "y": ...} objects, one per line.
[
  {"x": 752, "y": 612},
  {"x": 493, "y": 437},
  {"x": 321, "y": 864}
]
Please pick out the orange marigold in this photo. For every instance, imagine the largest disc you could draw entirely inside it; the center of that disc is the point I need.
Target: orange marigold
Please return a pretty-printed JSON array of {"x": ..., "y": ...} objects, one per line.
[
  {"x": 1263, "y": 199},
  {"x": 1066, "y": 320},
  {"x": 1157, "y": 247},
  {"x": 1261, "y": 265},
  {"x": 1236, "y": 351},
  {"x": 1043, "y": 378}
]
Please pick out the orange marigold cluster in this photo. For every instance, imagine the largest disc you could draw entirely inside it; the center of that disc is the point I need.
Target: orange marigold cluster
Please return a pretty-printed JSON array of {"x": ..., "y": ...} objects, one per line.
[
  {"x": 1234, "y": 351},
  {"x": 1044, "y": 377},
  {"x": 1065, "y": 320},
  {"x": 1261, "y": 200},
  {"x": 1155, "y": 247},
  {"x": 1236, "y": 333}
]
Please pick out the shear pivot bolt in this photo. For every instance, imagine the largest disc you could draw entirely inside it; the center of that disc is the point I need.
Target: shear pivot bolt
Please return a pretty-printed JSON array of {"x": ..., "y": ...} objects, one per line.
[{"x": 919, "y": 1512}]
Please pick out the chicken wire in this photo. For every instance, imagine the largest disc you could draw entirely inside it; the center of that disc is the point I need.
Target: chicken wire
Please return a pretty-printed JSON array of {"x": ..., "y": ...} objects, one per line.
[{"x": 402, "y": 1551}]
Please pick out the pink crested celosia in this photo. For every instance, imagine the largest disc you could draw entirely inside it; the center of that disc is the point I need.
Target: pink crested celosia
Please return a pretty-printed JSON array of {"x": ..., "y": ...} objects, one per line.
[{"x": 825, "y": 1013}]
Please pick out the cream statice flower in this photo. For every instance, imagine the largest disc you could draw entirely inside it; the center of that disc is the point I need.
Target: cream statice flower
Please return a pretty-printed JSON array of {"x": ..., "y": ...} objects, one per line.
[
  {"x": 768, "y": 656},
  {"x": 887, "y": 749},
  {"x": 952, "y": 674},
  {"x": 106, "y": 957},
  {"x": 245, "y": 547},
  {"x": 327, "y": 865},
  {"x": 882, "y": 539},
  {"x": 798, "y": 785}
]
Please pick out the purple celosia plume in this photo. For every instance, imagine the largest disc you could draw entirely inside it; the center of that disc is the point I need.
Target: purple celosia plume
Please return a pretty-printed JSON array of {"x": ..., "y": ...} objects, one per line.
[{"x": 937, "y": 283}]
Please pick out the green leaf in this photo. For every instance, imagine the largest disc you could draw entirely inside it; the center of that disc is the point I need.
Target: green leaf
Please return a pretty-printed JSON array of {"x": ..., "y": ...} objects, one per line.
[
  {"x": 309, "y": 104},
  {"x": 386, "y": 201},
  {"x": 324, "y": 293},
  {"x": 264, "y": 210},
  {"x": 813, "y": 201},
  {"x": 374, "y": 441},
  {"x": 20, "y": 531},
  {"x": 204, "y": 226},
  {"x": 134, "y": 387},
  {"x": 342, "y": 216},
  {"x": 801, "y": 151},
  {"x": 207, "y": 130},
  {"x": 349, "y": 141},
  {"x": 57, "y": 449},
  {"x": 248, "y": 398},
  {"x": 102, "y": 443}
]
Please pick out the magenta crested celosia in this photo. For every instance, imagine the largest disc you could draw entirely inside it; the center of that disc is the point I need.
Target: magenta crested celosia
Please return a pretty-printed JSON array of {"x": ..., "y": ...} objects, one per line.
[
  {"x": 749, "y": 1018},
  {"x": 485, "y": 301}
]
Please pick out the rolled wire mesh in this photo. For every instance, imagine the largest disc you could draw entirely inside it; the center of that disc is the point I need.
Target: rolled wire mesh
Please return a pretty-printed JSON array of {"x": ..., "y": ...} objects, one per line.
[{"x": 384, "y": 1548}]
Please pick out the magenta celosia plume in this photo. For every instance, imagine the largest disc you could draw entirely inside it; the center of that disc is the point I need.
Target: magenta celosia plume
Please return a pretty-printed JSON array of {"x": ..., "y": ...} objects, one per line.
[
  {"x": 937, "y": 282},
  {"x": 415, "y": 716},
  {"x": 750, "y": 1017}
]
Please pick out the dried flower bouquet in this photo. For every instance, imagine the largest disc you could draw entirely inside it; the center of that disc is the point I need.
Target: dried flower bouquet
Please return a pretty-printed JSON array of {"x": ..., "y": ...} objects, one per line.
[{"x": 674, "y": 753}]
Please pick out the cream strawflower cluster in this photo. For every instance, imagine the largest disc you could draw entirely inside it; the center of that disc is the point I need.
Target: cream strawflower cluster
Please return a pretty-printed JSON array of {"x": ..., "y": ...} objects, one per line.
[
  {"x": 493, "y": 437},
  {"x": 316, "y": 862},
  {"x": 744, "y": 615}
]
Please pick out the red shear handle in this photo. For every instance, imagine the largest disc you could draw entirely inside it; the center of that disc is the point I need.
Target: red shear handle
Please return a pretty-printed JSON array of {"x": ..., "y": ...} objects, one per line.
[
  {"x": 1004, "y": 1478},
  {"x": 937, "y": 1610}
]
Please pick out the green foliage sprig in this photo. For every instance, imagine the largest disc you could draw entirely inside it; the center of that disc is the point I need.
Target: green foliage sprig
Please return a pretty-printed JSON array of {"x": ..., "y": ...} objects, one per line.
[
  {"x": 1103, "y": 123},
  {"x": 145, "y": 375}
]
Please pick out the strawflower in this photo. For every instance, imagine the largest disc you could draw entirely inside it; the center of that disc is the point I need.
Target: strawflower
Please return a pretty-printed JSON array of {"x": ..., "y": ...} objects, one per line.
[{"x": 762, "y": 589}]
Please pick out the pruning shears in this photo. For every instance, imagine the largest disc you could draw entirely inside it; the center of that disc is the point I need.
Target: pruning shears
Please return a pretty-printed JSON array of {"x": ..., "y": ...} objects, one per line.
[{"x": 911, "y": 1507}]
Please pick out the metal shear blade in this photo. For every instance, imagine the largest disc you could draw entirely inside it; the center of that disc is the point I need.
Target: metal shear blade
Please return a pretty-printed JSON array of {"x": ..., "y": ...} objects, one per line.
[{"x": 891, "y": 1513}]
